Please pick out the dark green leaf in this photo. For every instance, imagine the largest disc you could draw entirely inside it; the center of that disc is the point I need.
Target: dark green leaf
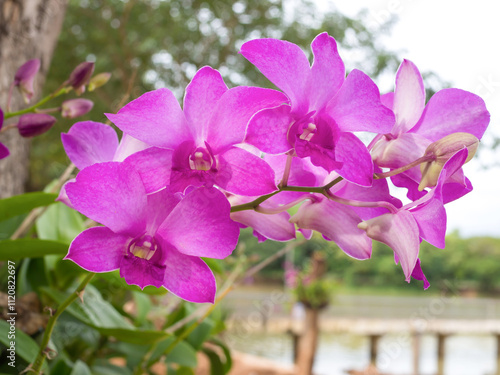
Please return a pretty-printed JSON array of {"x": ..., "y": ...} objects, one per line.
[
  {"x": 200, "y": 334},
  {"x": 26, "y": 347},
  {"x": 216, "y": 365},
  {"x": 30, "y": 248},
  {"x": 80, "y": 368},
  {"x": 227, "y": 353},
  {"x": 99, "y": 314},
  {"x": 183, "y": 354},
  {"x": 20, "y": 204}
]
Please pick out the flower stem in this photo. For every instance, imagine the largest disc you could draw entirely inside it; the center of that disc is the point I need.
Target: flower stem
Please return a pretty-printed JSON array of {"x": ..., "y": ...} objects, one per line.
[
  {"x": 286, "y": 172},
  {"x": 31, "y": 109},
  {"x": 42, "y": 354},
  {"x": 404, "y": 168}
]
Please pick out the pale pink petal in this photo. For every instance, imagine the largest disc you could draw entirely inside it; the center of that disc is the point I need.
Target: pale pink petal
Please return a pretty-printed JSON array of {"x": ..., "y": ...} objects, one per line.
[
  {"x": 268, "y": 130},
  {"x": 409, "y": 97},
  {"x": 431, "y": 220},
  {"x": 90, "y": 142},
  {"x": 235, "y": 108},
  {"x": 357, "y": 164},
  {"x": 388, "y": 100},
  {"x": 338, "y": 223},
  {"x": 63, "y": 196},
  {"x": 111, "y": 194},
  {"x": 155, "y": 118},
  {"x": 418, "y": 274},
  {"x": 200, "y": 225},
  {"x": 327, "y": 71},
  {"x": 160, "y": 204},
  {"x": 98, "y": 249},
  {"x": 275, "y": 227},
  {"x": 357, "y": 106},
  {"x": 189, "y": 277},
  {"x": 284, "y": 64},
  {"x": 128, "y": 146},
  {"x": 400, "y": 232},
  {"x": 243, "y": 173},
  {"x": 202, "y": 94},
  {"x": 154, "y": 165},
  {"x": 450, "y": 111}
]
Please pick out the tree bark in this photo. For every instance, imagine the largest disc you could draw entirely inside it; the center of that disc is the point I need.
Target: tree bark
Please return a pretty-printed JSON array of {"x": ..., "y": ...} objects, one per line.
[{"x": 29, "y": 29}]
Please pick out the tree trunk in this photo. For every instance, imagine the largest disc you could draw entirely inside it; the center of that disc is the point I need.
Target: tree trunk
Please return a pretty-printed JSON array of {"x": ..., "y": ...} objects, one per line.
[
  {"x": 308, "y": 342},
  {"x": 29, "y": 29}
]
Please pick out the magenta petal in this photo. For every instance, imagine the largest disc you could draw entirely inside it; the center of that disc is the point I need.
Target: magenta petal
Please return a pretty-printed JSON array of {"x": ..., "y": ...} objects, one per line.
[
  {"x": 230, "y": 118},
  {"x": 275, "y": 227},
  {"x": 284, "y": 64},
  {"x": 142, "y": 272},
  {"x": 431, "y": 220},
  {"x": 200, "y": 225},
  {"x": 357, "y": 164},
  {"x": 128, "y": 146},
  {"x": 409, "y": 97},
  {"x": 98, "y": 249},
  {"x": 388, "y": 100},
  {"x": 90, "y": 142},
  {"x": 400, "y": 232},
  {"x": 189, "y": 277},
  {"x": 327, "y": 71},
  {"x": 155, "y": 118},
  {"x": 268, "y": 130},
  {"x": 243, "y": 173},
  {"x": 63, "y": 196},
  {"x": 357, "y": 106},
  {"x": 160, "y": 205},
  {"x": 337, "y": 222},
  {"x": 4, "y": 151},
  {"x": 154, "y": 165},
  {"x": 202, "y": 94},
  {"x": 418, "y": 274},
  {"x": 111, "y": 194},
  {"x": 450, "y": 111}
]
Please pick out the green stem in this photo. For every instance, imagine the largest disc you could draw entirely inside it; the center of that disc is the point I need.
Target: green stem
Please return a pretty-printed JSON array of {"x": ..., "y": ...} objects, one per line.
[
  {"x": 42, "y": 354},
  {"x": 31, "y": 109}
]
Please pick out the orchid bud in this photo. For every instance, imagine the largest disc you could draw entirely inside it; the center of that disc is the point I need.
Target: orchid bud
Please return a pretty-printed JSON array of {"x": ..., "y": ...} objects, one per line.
[
  {"x": 76, "y": 107},
  {"x": 33, "y": 124},
  {"x": 99, "y": 80},
  {"x": 442, "y": 151},
  {"x": 80, "y": 76},
  {"x": 24, "y": 78},
  {"x": 4, "y": 151}
]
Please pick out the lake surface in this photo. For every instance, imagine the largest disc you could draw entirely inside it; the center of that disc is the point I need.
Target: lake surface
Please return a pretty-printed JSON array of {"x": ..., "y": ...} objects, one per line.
[{"x": 472, "y": 354}]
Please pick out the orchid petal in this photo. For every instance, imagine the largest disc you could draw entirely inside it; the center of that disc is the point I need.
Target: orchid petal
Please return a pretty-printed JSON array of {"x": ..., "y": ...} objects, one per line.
[
  {"x": 202, "y": 94},
  {"x": 357, "y": 106},
  {"x": 388, "y": 100},
  {"x": 160, "y": 204},
  {"x": 243, "y": 173},
  {"x": 154, "y": 165},
  {"x": 98, "y": 249},
  {"x": 431, "y": 220},
  {"x": 141, "y": 272},
  {"x": 418, "y": 274},
  {"x": 357, "y": 164},
  {"x": 111, "y": 194},
  {"x": 327, "y": 71},
  {"x": 4, "y": 151},
  {"x": 90, "y": 142},
  {"x": 268, "y": 130},
  {"x": 400, "y": 232},
  {"x": 284, "y": 64},
  {"x": 450, "y": 111},
  {"x": 128, "y": 146},
  {"x": 189, "y": 277},
  {"x": 409, "y": 97},
  {"x": 274, "y": 227},
  {"x": 338, "y": 223},
  {"x": 63, "y": 196},
  {"x": 200, "y": 225},
  {"x": 154, "y": 118},
  {"x": 235, "y": 108}
]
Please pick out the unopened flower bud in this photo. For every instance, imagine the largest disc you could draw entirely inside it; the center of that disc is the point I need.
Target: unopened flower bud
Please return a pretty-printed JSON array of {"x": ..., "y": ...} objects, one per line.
[
  {"x": 442, "y": 151},
  {"x": 80, "y": 76},
  {"x": 33, "y": 124},
  {"x": 99, "y": 80},
  {"x": 76, "y": 107},
  {"x": 24, "y": 78}
]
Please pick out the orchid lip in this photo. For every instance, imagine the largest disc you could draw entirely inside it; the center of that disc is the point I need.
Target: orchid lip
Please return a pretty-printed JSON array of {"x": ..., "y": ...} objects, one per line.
[
  {"x": 202, "y": 159},
  {"x": 144, "y": 247}
]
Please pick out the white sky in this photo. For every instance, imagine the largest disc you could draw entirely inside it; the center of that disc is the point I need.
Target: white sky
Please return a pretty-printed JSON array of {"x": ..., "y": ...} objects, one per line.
[{"x": 459, "y": 40}]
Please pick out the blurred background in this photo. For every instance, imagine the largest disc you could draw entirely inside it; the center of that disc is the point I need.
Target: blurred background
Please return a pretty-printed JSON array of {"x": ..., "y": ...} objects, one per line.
[{"x": 366, "y": 312}]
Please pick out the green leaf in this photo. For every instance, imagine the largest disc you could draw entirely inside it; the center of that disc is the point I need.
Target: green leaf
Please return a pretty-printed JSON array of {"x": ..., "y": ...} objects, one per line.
[
  {"x": 110, "y": 370},
  {"x": 80, "y": 368},
  {"x": 182, "y": 354},
  {"x": 26, "y": 347},
  {"x": 215, "y": 265},
  {"x": 227, "y": 353},
  {"x": 30, "y": 248},
  {"x": 101, "y": 315},
  {"x": 143, "y": 304},
  {"x": 60, "y": 223},
  {"x": 8, "y": 227},
  {"x": 117, "y": 281},
  {"x": 216, "y": 365},
  {"x": 20, "y": 204},
  {"x": 200, "y": 334}
]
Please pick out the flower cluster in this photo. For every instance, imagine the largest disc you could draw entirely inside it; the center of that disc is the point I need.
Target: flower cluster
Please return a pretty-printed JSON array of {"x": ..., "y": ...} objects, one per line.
[{"x": 182, "y": 181}]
